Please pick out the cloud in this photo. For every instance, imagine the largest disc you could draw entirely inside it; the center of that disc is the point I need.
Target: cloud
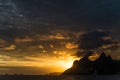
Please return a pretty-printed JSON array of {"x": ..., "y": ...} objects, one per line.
[
  {"x": 41, "y": 47},
  {"x": 5, "y": 58},
  {"x": 70, "y": 45},
  {"x": 75, "y": 15},
  {"x": 10, "y": 33},
  {"x": 25, "y": 70},
  {"x": 25, "y": 39},
  {"x": 84, "y": 12},
  {"x": 58, "y": 36},
  {"x": 2, "y": 41},
  {"x": 51, "y": 46},
  {"x": 94, "y": 39},
  {"x": 9, "y": 48}
]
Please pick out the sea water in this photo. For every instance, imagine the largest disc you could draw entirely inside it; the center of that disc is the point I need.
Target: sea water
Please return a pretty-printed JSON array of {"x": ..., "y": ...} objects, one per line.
[{"x": 83, "y": 77}]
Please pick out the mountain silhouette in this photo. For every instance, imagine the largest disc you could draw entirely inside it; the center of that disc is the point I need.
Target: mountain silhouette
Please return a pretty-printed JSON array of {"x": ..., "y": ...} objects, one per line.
[{"x": 103, "y": 65}]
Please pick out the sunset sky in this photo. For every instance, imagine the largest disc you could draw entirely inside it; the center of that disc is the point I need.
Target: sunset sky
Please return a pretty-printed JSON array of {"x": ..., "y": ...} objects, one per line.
[{"x": 39, "y": 36}]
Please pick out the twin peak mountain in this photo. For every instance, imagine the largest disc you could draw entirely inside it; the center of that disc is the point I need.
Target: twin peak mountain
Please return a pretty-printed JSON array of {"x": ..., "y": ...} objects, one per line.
[{"x": 103, "y": 65}]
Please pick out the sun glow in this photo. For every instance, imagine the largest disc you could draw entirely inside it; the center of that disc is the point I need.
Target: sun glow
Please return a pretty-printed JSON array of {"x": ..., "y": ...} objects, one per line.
[
  {"x": 58, "y": 62},
  {"x": 66, "y": 64}
]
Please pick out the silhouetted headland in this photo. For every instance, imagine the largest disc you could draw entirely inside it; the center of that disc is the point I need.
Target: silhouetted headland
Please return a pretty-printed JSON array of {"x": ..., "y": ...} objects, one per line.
[{"x": 104, "y": 65}]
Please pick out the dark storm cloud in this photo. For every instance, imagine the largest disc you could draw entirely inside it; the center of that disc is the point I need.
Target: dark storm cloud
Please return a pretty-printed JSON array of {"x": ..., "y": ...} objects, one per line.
[
  {"x": 82, "y": 12},
  {"x": 95, "y": 39},
  {"x": 48, "y": 16},
  {"x": 74, "y": 15},
  {"x": 9, "y": 34}
]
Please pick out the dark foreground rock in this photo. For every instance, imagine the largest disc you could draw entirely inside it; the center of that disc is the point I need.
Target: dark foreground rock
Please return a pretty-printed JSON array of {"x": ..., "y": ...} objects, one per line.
[{"x": 103, "y": 65}]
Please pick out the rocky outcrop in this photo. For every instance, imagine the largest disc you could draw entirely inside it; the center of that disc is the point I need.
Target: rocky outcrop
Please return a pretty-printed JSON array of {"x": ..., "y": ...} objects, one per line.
[{"x": 103, "y": 65}]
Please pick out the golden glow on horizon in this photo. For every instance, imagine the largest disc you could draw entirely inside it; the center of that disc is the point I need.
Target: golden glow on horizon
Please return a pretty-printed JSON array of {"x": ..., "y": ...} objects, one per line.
[
  {"x": 58, "y": 63},
  {"x": 66, "y": 65}
]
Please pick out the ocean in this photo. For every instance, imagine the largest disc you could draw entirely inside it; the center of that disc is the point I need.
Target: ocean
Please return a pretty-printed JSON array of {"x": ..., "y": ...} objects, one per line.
[{"x": 83, "y": 77}]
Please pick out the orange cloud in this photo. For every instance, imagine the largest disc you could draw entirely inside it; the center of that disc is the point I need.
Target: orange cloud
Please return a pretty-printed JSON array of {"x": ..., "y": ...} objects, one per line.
[
  {"x": 58, "y": 36},
  {"x": 11, "y": 47},
  {"x": 41, "y": 47},
  {"x": 71, "y": 45},
  {"x": 26, "y": 39}
]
